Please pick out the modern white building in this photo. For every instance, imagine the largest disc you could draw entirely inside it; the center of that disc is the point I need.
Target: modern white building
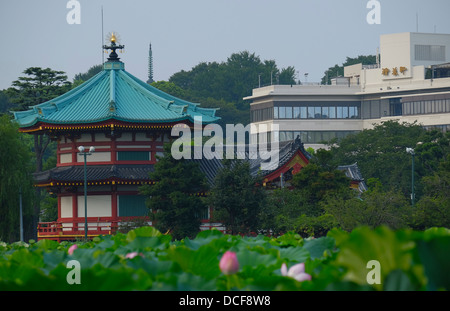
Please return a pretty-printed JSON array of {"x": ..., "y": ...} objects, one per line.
[{"x": 410, "y": 82}]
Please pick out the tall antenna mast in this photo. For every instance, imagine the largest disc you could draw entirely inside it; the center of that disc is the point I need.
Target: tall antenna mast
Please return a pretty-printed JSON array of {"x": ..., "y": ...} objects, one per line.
[
  {"x": 378, "y": 57},
  {"x": 103, "y": 55},
  {"x": 417, "y": 22}
]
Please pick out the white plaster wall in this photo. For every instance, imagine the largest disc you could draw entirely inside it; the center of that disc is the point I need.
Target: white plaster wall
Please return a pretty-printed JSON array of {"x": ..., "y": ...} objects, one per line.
[
  {"x": 85, "y": 138},
  {"x": 66, "y": 207},
  {"x": 97, "y": 206},
  {"x": 95, "y": 157},
  {"x": 101, "y": 137},
  {"x": 142, "y": 137},
  {"x": 65, "y": 158},
  {"x": 125, "y": 137}
]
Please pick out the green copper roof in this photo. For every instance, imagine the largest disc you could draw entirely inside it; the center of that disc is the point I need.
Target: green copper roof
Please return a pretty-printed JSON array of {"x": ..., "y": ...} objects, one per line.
[{"x": 114, "y": 94}]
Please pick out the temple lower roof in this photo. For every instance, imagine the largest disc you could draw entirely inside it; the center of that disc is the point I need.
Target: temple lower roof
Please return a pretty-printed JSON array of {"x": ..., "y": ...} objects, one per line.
[
  {"x": 288, "y": 152},
  {"x": 140, "y": 172}
]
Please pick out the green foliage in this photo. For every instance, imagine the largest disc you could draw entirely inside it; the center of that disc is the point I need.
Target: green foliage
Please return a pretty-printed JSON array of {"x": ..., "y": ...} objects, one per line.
[
  {"x": 315, "y": 182},
  {"x": 224, "y": 85},
  {"x": 373, "y": 208},
  {"x": 92, "y": 71},
  {"x": 338, "y": 71},
  {"x": 409, "y": 260},
  {"x": 49, "y": 208},
  {"x": 174, "y": 199},
  {"x": 386, "y": 166},
  {"x": 433, "y": 209},
  {"x": 15, "y": 176},
  {"x": 237, "y": 197},
  {"x": 38, "y": 86},
  {"x": 380, "y": 153},
  {"x": 301, "y": 207},
  {"x": 5, "y": 104}
]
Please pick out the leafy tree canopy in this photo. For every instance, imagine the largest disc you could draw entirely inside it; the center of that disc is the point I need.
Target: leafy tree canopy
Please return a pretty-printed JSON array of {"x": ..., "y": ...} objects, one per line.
[
  {"x": 237, "y": 197},
  {"x": 337, "y": 70},
  {"x": 5, "y": 103},
  {"x": 173, "y": 200},
  {"x": 227, "y": 83},
  {"x": 92, "y": 71},
  {"x": 15, "y": 176},
  {"x": 381, "y": 153},
  {"x": 37, "y": 86}
]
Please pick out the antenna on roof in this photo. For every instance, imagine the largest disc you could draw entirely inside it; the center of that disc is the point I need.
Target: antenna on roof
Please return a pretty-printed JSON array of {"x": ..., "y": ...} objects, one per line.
[
  {"x": 417, "y": 22},
  {"x": 378, "y": 57},
  {"x": 103, "y": 55}
]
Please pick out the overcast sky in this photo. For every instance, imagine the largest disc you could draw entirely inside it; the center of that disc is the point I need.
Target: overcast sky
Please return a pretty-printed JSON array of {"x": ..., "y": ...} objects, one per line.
[{"x": 310, "y": 35}]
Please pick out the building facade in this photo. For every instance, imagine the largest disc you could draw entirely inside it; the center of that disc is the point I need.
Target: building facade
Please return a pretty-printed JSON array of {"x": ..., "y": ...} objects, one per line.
[{"x": 410, "y": 83}]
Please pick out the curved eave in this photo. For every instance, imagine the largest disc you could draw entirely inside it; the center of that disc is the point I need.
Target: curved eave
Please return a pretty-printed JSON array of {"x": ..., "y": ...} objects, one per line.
[
  {"x": 96, "y": 175},
  {"x": 113, "y": 95},
  {"x": 42, "y": 126}
]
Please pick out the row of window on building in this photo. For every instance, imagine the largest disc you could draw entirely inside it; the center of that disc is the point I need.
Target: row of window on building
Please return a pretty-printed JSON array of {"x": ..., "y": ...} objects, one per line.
[
  {"x": 426, "y": 106},
  {"x": 351, "y": 111},
  {"x": 310, "y": 137},
  {"x": 372, "y": 109}
]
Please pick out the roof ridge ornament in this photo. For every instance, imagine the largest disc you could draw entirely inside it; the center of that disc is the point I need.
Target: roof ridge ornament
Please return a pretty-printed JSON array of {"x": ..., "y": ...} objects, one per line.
[{"x": 114, "y": 45}]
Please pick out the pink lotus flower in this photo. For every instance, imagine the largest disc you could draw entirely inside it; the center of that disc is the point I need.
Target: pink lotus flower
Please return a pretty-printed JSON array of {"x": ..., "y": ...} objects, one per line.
[
  {"x": 296, "y": 272},
  {"x": 72, "y": 248},
  {"x": 229, "y": 263},
  {"x": 132, "y": 255}
]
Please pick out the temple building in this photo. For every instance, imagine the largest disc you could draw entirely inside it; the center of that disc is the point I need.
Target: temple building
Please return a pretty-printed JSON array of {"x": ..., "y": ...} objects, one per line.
[
  {"x": 126, "y": 121},
  {"x": 109, "y": 131}
]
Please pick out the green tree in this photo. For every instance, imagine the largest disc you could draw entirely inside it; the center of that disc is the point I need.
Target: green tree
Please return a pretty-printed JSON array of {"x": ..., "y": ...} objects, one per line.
[
  {"x": 433, "y": 209},
  {"x": 300, "y": 208},
  {"x": 373, "y": 208},
  {"x": 381, "y": 153},
  {"x": 38, "y": 86},
  {"x": 92, "y": 71},
  {"x": 15, "y": 177},
  {"x": 315, "y": 182},
  {"x": 231, "y": 81},
  {"x": 432, "y": 150},
  {"x": 5, "y": 104},
  {"x": 173, "y": 200},
  {"x": 237, "y": 197},
  {"x": 283, "y": 209},
  {"x": 337, "y": 70},
  {"x": 172, "y": 89},
  {"x": 227, "y": 111}
]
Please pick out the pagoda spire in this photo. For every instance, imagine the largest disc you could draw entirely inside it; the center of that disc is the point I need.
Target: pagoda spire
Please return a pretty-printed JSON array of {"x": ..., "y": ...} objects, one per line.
[
  {"x": 150, "y": 65},
  {"x": 113, "y": 57}
]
